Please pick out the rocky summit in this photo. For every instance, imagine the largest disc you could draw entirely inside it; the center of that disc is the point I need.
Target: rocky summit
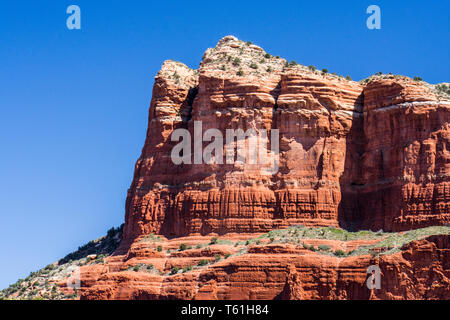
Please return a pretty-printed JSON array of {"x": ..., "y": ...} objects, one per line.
[{"x": 363, "y": 179}]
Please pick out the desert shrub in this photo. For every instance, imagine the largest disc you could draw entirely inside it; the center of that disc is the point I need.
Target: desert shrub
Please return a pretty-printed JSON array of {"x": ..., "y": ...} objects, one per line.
[
  {"x": 339, "y": 253},
  {"x": 240, "y": 73},
  {"x": 269, "y": 69},
  {"x": 443, "y": 88},
  {"x": 312, "y": 68},
  {"x": 187, "y": 268},
  {"x": 174, "y": 270},
  {"x": 227, "y": 256},
  {"x": 183, "y": 247},
  {"x": 217, "y": 257},
  {"x": 236, "y": 62},
  {"x": 203, "y": 262},
  {"x": 324, "y": 247},
  {"x": 159, "y": 249},
  {"x": 111, "y": 232},
  {"x": 348, "y": 78},
  {"x": 253, "y": 65},
  {"x": 176, "y": 76},
  {"x": 213, "y": 240},
  {"x": 267, "y": 56},
  {"x": 324, "y": 70},
  {"x": 249, "y": 43},
  {"x": 136, "y": 268},
  {"x": 418, "y": 78}
]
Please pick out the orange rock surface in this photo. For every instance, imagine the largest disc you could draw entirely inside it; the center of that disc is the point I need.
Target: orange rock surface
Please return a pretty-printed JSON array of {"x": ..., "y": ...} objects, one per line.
[
  {"x": 359, "y": 155},
  {"x": 405, "y": 164}
]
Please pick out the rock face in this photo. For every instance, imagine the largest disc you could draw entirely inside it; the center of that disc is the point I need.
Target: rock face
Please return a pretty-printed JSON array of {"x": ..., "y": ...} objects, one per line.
[
  {"x": 405, "y": 164},
  {"x": 357, "y": 155}
]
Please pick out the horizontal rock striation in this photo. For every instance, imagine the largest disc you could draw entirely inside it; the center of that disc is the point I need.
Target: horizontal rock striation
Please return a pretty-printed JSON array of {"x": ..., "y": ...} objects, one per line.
[{"x": 420, "y": 270}]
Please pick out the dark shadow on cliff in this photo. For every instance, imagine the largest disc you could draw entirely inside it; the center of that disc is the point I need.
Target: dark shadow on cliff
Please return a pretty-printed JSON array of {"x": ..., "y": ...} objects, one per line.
[{"x": 350, "y": 215}]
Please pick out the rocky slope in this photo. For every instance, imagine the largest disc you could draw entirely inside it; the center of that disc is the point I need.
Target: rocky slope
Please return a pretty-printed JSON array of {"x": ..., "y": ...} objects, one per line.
[
  {"x": 50, "y": 282},
  {"x": 368, "y": 155},
  {"x": 294, "y": 263}
]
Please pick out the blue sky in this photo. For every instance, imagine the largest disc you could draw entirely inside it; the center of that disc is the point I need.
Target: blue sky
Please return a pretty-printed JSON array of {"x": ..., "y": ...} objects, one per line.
[{"x": 74, "y": 103}]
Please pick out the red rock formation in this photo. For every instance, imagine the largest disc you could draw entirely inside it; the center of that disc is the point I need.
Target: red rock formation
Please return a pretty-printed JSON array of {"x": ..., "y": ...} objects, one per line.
[
  {"x": 421, "y": 270},
  {"x": 384, "y": 168},
  {"x": 356, "y": 155}
]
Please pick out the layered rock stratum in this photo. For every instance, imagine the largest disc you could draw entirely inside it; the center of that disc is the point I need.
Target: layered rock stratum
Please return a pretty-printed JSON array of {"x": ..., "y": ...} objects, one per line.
[{"x": 369, "y": 155}]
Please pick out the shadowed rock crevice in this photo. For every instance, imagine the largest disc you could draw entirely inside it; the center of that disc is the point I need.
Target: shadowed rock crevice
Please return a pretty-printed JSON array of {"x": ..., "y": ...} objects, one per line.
[
  {"x": 350, "y": 215},
  {"x": 187, "y": 107}
]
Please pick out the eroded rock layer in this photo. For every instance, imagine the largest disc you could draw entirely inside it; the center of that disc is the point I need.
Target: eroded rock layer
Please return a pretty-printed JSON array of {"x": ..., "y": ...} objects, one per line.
[{"x": 265, "y": 270}]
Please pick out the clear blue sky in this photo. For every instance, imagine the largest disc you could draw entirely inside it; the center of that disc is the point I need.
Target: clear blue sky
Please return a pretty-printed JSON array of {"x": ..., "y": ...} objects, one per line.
[{"x": 74, "y": 103}]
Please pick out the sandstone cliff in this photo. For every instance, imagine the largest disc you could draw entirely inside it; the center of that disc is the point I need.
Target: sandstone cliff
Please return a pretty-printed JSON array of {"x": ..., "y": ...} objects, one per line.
[{"x": 369, "y": 155}]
